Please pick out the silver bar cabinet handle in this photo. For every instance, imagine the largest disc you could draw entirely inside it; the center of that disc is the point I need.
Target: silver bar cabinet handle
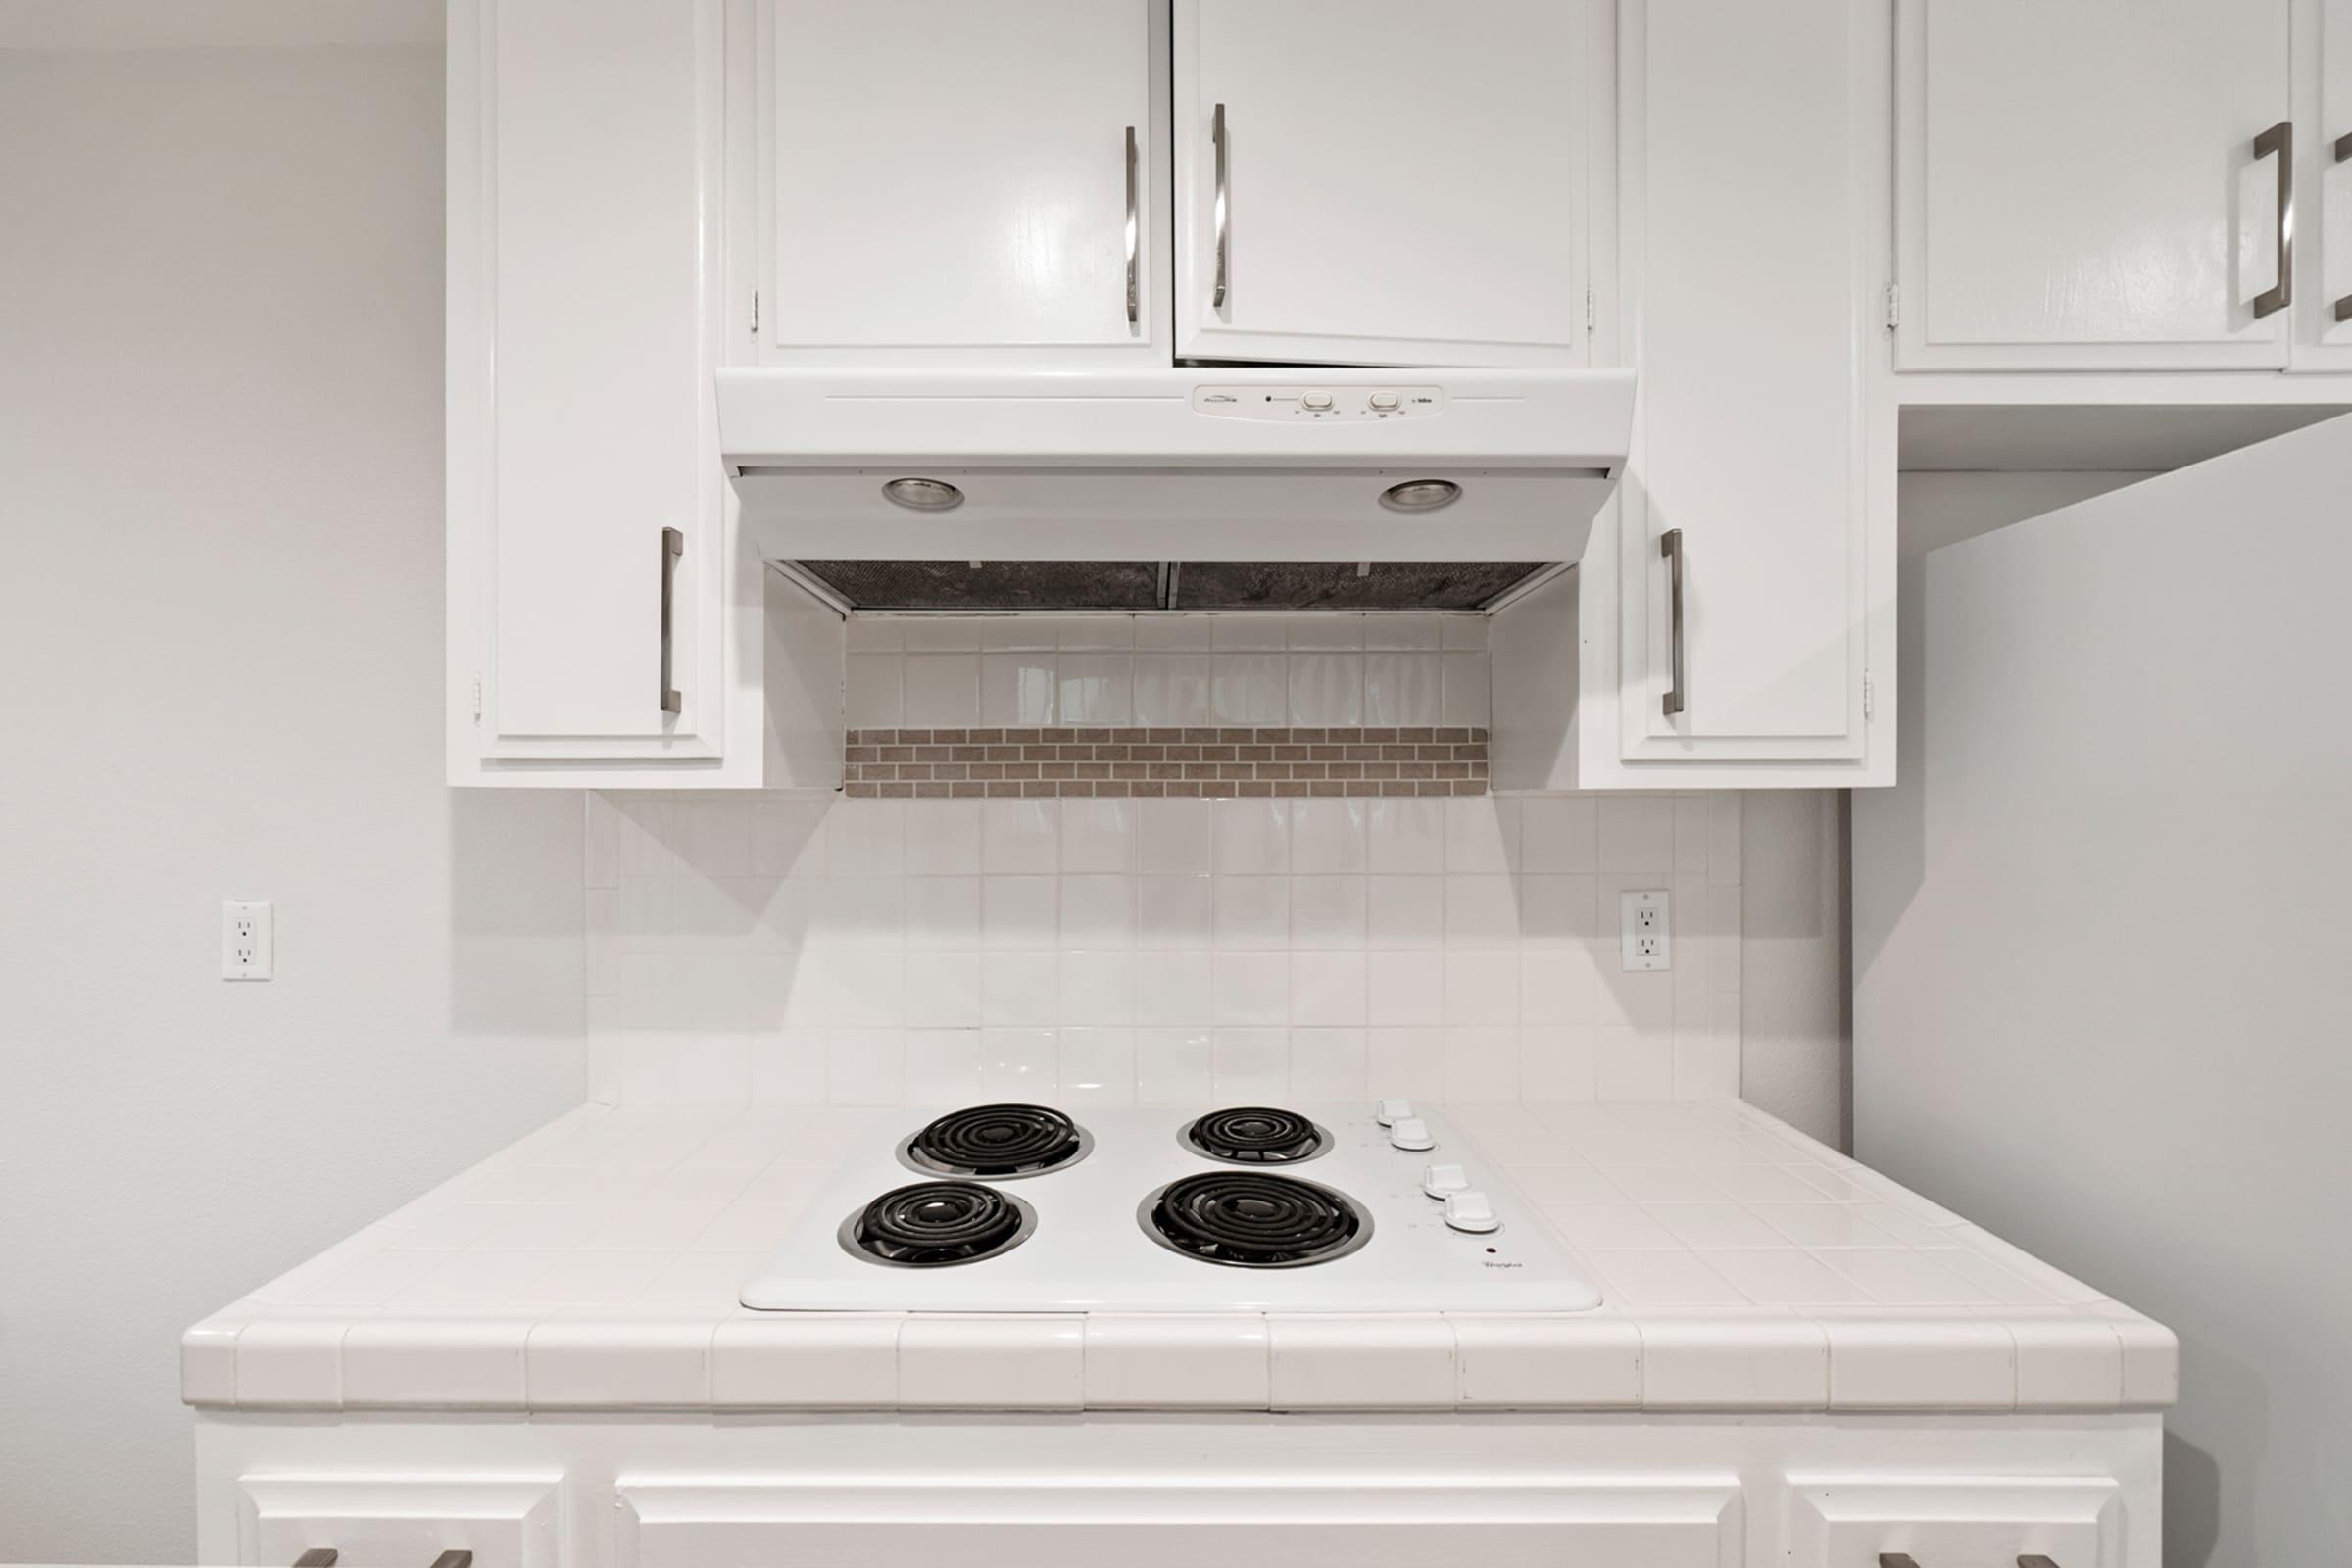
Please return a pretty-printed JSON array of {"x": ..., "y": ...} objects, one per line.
[
  {"x": 318, "y": 1557},
  {"x": 454, "y": 1560},
  {"x": 673, "y": 546},
  {"x": 1134, "y": 299},
  {"x": 2034, "y": 1559},
  {"x": 1217, "y": 138},
  {"x": 2280, "y": 139},
  {"x": 2343, "y": 154},
  {"x": 1670, "y": 546}
]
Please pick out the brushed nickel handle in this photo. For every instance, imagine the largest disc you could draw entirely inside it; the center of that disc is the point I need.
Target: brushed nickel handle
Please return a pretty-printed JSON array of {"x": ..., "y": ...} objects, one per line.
[
  {"x": 2034, "y": 1559},
  {"x": 673, "y": 546},
  {"x": 1670, "y": 545},
  {"x": 2343, "y": 154},
  {"x": 1217, "y": 138},
  {"x": 1134, "y": 301},
  {"x": 454, "y": 1560},
  {"x": 1897, "y": 1559},
  {"x": 316, "y": 1557},
  {"x": 2280, "y": 139}
]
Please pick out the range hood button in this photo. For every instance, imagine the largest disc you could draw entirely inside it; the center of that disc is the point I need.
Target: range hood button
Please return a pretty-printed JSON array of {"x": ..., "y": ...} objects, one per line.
[
  {"x": 1384, "y": 402},
  {"x": 1317, "y": 401}
]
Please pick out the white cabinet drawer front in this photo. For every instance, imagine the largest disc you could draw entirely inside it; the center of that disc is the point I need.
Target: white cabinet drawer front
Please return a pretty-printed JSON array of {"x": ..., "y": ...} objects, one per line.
[
  {"x": 1960, "y": 1522},
  {"x": 1405, "y": 182},
  {"x": 945, "y": 174},
  {"x": 2079, "y": 187},
  {"x": 1379, "y": 1524},
  {"x": 399, "y": 1520}
]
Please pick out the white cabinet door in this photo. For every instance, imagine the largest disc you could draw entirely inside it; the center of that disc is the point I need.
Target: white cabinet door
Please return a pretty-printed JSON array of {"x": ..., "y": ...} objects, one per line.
[
  {"x": 590, "y": 542},
  {"x": 2325, "y": 310},
  {"x": 941, "y": 175},
  {"x": 1187, "y": 1524},
  {"x": 1389, "y": 181},
  {"x": 1754, "y": 534},
  {"x": 2079, "y": 184}
]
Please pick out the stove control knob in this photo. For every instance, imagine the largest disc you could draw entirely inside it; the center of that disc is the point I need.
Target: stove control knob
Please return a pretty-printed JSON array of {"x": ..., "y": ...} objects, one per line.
[
  {"x": 1470, "y": 1211},
  {"x": 1410, "y": 1132},
  {"x": 1388, "y": 1112},
  {"x": 1440, "y": 1180}
]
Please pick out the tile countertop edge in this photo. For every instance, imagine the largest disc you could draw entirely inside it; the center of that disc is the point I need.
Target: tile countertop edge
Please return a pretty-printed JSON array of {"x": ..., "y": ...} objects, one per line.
[{"x": 2077, "y": 1352}]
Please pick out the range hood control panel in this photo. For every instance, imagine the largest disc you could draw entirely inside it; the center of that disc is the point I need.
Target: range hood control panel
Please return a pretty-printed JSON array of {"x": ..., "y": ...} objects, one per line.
[{"x": 1307, "y": 404}]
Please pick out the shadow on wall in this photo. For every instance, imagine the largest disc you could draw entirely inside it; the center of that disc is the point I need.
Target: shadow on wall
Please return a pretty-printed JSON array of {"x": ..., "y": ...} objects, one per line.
[{"x": 514, "y": 912}]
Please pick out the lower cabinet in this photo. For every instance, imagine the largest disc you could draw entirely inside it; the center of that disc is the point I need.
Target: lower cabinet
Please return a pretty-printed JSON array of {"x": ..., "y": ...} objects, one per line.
[
  {"x": 1846, "y": 1523},
  {"x": 755, "y": 1524},
  {"x": 400, "y": 1521}
]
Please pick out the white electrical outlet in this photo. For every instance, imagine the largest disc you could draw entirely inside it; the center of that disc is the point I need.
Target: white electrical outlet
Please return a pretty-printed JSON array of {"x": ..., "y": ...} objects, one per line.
[
  {"x": 248, "y": 939},
  {"x": 1644, "y": 933}
]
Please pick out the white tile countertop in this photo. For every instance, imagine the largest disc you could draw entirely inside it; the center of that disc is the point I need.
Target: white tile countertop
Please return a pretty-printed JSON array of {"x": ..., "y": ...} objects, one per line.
[{"x": 595, "y": 1264}]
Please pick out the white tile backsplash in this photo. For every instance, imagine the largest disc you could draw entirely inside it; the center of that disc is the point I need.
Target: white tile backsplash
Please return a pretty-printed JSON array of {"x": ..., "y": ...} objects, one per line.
[
  {"x": 1101, "y": 950},
  {"x": 793, "y": 950}
]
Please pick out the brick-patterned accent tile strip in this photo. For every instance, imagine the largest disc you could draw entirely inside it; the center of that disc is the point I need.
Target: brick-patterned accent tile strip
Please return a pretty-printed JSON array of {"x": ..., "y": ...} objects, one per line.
[{"x": 963, "y": 764}]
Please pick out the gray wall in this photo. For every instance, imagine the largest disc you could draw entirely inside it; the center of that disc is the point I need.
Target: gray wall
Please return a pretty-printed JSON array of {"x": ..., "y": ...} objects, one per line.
[
  {"x": 221, "y": 507},
  {"x": 2102, "y": 999}
]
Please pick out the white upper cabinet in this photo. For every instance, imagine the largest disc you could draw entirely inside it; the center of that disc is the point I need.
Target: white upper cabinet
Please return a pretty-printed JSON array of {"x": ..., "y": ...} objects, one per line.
[
  {"x": 1733, "y": 621},
  {"x": 1391, "y": 181},
  {"x": 2080, "y": 186},
  {"x": 605, "y": 625},
  {"x": 980, "y": 178},
  {"x": 2325, "y": 341}
]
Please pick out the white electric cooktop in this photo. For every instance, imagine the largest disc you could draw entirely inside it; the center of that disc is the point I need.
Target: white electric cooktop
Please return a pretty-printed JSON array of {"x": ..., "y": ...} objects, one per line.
[{"x": 1304, "y": 1209}]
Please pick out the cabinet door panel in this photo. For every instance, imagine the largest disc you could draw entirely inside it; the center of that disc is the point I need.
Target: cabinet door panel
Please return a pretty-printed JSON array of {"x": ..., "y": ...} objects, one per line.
[
  {"x": 1752, "y": 439},
  {"x": 1405, "y": 182},
  {"x": 946, "y": 175},
  {"x": 2334, "y": 160},
  {"x": 584, "y": 234},
  {"x": 2078, "y": 188},
  {"x": 1018, "y": 1524}
]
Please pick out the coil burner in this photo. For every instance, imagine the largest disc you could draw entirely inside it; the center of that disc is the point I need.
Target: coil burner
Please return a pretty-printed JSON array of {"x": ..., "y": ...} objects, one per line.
[
  {"x": 1256, "y": 1135},
  {"x": 937, "y": 1225},
  {"x": 996, "y": 1142},
  {"x": 1247, "y": 1219}
]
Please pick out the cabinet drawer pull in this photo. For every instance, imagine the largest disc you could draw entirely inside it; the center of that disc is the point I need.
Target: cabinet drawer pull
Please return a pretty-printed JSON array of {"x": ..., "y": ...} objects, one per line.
[
  {"x": 1134, "y": 299},
  {"x": 673, "y": 546},
  {"x": 2280, "y": 139},
  {"x": 316, "y": 1557},
  {"x": 454, "y": 1560},
  {"x": 1217, "y": 138},
  {"x": 2343, "y": 154},
  {"x": 1897, "y": 1559},
  {"x": 2034, "y": 1559},
  {"x": 1670, "y": 546}
]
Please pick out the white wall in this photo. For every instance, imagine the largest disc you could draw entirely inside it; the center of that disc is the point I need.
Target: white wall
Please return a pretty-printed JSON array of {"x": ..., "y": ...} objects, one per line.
[
  {"x": 221, "y": 511},
  {"x": 2101, "y": 934}
]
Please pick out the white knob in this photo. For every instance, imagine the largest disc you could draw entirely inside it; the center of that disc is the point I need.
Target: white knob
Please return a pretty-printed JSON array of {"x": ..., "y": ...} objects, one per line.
[
  {"x": 1411, "y": 1132},
  {"x": 1470, "y": 1211},
  {"x": 1316, "y": 400},
  {"x": 1384, "y": 401},
  {"x": 1388, "y": 1112},
  {"x": 1439, "y": 1180}
]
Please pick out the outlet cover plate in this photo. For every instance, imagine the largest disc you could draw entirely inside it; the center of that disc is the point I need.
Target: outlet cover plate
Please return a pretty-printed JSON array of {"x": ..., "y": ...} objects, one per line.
[
  {"x": 248, "y": 939},
  {"x": 1644, "y": 930}
]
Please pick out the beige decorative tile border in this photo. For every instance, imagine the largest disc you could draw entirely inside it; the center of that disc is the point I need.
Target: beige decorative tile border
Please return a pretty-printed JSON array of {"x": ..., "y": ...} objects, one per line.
[{"x": 942, "y": 764}]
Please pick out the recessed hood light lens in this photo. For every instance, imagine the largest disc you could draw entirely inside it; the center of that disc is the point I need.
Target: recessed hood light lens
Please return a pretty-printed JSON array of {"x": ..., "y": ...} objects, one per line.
[
  {"x": 1421, "y": 495},
  {"x": 922, "y": 495}
]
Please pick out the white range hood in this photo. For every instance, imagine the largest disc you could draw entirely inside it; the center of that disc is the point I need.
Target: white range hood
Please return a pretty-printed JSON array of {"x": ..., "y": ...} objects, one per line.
[{"x": 1188, "y": 463}]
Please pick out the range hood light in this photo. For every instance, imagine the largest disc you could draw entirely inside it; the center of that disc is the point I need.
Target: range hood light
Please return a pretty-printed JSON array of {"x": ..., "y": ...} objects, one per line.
[
  {"x": 922, "y": 495},
  {"x": 1421, "y": 495}
]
